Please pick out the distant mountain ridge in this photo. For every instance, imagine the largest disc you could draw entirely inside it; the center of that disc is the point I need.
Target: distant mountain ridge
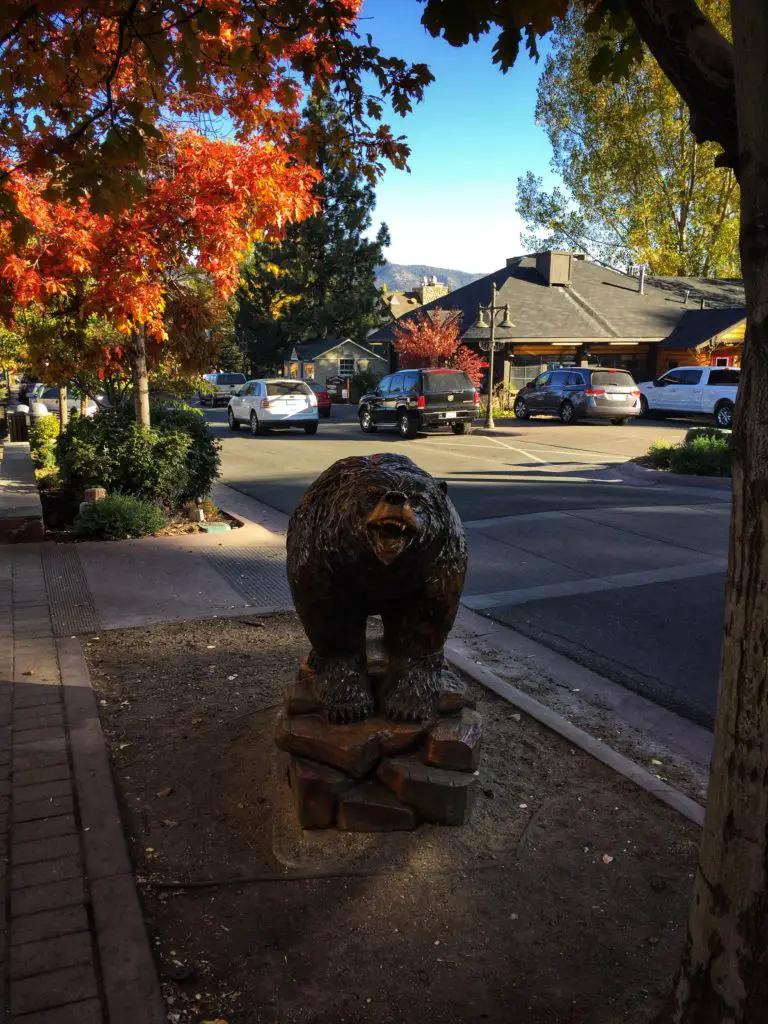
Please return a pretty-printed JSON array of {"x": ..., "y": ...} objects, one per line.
[{"x": 402, "y": 277}]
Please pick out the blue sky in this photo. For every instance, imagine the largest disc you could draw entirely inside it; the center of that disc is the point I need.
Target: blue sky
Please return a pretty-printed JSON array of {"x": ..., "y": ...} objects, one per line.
[{"x": 470, "y": 140}]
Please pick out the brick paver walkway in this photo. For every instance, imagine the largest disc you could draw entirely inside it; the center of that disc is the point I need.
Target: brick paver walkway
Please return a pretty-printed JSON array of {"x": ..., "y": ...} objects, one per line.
[{"x": 73, "y": 943}]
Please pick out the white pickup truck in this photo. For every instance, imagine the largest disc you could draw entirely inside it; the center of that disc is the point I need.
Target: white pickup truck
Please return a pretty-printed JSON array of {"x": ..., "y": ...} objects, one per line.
[{"x": 692, "y": 391}]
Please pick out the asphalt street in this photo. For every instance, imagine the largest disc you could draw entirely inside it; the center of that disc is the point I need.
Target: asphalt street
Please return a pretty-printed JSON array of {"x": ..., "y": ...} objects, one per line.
[{"x": 565, "y": 545}]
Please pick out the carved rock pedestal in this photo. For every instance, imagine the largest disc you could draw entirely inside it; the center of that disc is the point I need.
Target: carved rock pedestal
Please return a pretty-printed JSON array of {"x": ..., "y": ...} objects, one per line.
[{"x": 380, "y": 775}]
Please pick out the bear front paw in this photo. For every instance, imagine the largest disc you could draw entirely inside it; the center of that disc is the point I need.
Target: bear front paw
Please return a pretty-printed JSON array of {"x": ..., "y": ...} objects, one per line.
[
  {"x": 344, "y": 689},
  {"x": 412, "y": 690}
]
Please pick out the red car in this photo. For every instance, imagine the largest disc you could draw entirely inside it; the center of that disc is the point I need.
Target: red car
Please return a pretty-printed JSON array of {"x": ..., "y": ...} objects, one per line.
[{"x": 323, "y": 399}]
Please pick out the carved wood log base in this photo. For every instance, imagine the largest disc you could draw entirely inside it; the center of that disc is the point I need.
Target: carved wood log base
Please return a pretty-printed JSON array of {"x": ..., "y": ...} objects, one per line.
[{"x": 380, "y": 775}]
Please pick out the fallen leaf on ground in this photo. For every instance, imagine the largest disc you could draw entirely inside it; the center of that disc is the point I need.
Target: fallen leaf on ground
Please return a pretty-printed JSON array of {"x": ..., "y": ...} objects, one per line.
[
  {"x": 607, "y": 858},
  {"x": 166, "y": 791}
]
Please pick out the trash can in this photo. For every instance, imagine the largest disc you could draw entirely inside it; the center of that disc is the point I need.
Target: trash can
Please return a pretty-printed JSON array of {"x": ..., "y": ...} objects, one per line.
[
  {"x": 38, "y": 411},
  {"x": 17, "y": 426}
]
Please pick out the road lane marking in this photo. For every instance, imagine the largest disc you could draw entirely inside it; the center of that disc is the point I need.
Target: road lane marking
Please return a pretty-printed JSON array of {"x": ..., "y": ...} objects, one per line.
[{"x": 550, "y": 591}]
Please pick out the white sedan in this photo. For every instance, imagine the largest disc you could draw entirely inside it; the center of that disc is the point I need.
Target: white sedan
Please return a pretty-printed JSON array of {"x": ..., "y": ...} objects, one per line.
[
  {"x": 50, "y": 399},
  {"x": 275, "y": 403}
]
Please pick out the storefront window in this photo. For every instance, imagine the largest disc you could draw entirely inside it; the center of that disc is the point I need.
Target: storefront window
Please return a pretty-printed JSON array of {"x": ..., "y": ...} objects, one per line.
[{"x": 308, "y": 371}]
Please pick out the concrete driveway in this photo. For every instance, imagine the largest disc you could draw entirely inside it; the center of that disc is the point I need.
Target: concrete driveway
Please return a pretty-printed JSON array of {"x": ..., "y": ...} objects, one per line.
[{"x": 565, "y": 545}]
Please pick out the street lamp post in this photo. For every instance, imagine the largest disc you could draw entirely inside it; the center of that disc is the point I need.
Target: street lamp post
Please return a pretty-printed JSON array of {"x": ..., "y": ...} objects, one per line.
[{"x": 491, "y": 310}]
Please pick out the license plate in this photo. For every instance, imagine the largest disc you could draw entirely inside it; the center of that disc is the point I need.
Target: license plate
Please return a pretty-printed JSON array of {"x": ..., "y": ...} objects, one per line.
[
  {"x": 450, "y": 415},
  {"x": 617, "y": 398}
]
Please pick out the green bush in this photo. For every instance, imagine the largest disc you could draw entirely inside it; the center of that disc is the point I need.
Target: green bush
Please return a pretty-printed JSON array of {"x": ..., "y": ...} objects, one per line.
[
  {"x": 711, "y": 432},
  {"x": 117, "y": 517},
  {"x": 660, "y": 454},
  {"x": 42, "y": 441},
  {"x": 703, "y": 456},
  {"x": 177, "y": 459},
  {"x": 203, "y": 459}
]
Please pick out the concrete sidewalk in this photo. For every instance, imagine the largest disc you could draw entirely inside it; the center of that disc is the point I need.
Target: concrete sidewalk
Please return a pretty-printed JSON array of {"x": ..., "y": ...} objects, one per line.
[
  {"x": 74, "y": 946},
  {"x": 21, "y": 514}
]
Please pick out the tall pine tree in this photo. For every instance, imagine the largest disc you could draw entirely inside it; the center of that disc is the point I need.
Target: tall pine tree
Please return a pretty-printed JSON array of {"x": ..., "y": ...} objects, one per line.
[{"x": 319, "y": 281}]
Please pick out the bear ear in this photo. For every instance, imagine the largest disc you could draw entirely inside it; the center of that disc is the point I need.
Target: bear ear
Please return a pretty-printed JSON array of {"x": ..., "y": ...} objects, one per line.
[{"x": 443, "y": 485}]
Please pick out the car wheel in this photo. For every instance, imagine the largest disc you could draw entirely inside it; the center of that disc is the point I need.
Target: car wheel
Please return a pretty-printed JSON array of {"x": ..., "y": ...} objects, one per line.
[
  {"x": 724, "y": 415},
  {"x": 567, "y": 413},
  {"x": 644, "y": 410},
  {"x": 233, "y": 424},
  {"x": 366, "y": 422},
  {"x": 255, "y": 425},
  {"x": 405, "y": 427},
  {"x": 310, "y": 428},
  {"x": 521, "y": 410},
  {"x": 461, "y": 428},
  {"x": 620, "y": 421}
]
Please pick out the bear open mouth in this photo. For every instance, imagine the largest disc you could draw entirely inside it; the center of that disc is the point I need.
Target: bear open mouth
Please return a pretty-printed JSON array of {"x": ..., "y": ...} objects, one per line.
[{"x": 391, "y": 528}]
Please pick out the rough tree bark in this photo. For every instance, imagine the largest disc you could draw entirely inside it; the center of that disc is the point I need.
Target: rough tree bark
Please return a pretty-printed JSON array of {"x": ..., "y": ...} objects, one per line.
[
  {"x": 698, "y": 61},
  {"x": 723, "y": 978},
  {"x": 137, "y": 353}
]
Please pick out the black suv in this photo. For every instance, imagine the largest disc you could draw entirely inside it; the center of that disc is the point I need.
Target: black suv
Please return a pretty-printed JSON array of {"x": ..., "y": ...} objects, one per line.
[
  {"x": 414, "y": 400},
  {"x": 581, "y": 392}
]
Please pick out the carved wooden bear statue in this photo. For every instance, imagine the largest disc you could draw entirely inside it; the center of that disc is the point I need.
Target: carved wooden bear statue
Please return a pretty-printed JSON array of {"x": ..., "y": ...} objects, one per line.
[{"x": 376, "y": 535}]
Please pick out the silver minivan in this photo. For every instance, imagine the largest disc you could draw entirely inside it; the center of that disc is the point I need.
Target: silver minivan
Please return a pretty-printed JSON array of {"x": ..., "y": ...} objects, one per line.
[{"x": 580, "y": 392}]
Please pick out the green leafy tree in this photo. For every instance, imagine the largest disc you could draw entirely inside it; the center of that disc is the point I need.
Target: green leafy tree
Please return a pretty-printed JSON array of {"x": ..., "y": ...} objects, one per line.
[
  {"x": 319, "y": 281},
  {"x": 639, "y": 188}
]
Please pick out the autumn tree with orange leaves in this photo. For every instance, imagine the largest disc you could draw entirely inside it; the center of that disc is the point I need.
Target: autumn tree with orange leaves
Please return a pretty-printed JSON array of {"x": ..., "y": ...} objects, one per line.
[
  {"x": 105, "y": 200},
  {"x": 204, "y": 202},
  {"x": 434, "y": 339}
]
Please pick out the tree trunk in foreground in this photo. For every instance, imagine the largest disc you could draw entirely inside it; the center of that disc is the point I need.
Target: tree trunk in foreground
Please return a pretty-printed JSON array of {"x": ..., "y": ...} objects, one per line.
[
  {"x": 63, "y": 406},
  {"x": 137, "y": 353},
  {"x": 723, "y": 977}
]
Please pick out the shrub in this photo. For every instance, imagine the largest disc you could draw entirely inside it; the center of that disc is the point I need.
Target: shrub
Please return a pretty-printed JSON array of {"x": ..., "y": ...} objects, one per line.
[
  {"x": 176, "y": 460},
  {"x": 203, "y": 459},
  {"x": 711, "y": 432},
  {"x": 660, "y": 454},
  {"x": 703, "y": 456},
  {"x": 118, "y": 516},
  {"x": 42, "y": 441}
]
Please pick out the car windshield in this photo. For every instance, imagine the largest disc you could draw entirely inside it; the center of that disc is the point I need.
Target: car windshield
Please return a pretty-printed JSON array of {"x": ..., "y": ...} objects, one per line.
[
  {"x": 317, "y": 388},
  {"x": 617, "y": 379},
  {"x": 287, "y": 387},
  {"x": 231, "y": 378},
  {"x": 446, "y": 380}
]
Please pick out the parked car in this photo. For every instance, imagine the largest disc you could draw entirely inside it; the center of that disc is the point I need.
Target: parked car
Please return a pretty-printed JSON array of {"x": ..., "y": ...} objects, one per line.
[
  {"x": 692, "y": 391},
  {"x": 323, "y": 399},
  {"x": 50, "y": 399},
  {"x": 414, "y": 400},
  {"x": 273, "y": 404},
  {"x": 583, "y": 392},
  {"x": 224, "y": 386}
]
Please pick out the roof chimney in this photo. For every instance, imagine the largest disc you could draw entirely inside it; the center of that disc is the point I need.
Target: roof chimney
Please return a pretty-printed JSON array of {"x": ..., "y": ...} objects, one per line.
[
  {"x": 554, "y": 267},
  {"x": 687, "y": 294},
  {"x": 641, "y": 285}
]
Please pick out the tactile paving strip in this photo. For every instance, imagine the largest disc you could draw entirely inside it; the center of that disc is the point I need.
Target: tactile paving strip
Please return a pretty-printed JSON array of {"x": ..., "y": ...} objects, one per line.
[
  {"x": 257, "y": 573},
  {"x": 69, "y": 597}
]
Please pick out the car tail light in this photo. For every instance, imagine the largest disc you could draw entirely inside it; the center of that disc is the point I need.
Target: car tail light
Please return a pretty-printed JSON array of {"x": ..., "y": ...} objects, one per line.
[
  {"x": 421, "y": 402},
  {"x": 594, "y": 391},
  {"x": 635, "y": 392},
  {"x": 476, "y": 398}
]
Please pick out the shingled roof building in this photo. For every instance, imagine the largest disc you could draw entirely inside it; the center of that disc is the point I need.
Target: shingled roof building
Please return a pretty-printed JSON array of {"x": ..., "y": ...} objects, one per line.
[{"x": 566, "y": 310}]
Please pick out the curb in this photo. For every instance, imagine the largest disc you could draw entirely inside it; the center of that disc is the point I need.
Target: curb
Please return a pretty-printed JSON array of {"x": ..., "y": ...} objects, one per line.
[
  {"x": 662, "y": 476},
  {"x": 131, "y": 985},
  {"x": 596, "y": 748}
]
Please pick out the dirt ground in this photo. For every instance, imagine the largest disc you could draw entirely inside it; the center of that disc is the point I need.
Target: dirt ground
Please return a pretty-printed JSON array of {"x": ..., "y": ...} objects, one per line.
[{"x": 562, "y": 902}]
